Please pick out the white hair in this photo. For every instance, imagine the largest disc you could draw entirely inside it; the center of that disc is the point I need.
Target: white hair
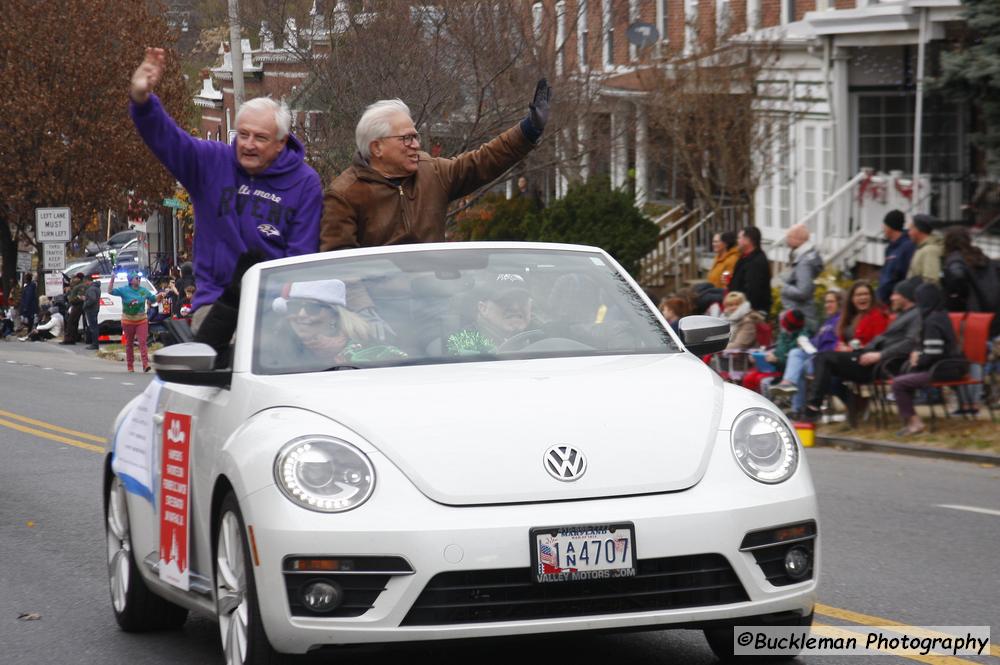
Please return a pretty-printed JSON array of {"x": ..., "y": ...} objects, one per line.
[
  {"x": 376, "y": 123},
  {"x": 282, "y": 116}
]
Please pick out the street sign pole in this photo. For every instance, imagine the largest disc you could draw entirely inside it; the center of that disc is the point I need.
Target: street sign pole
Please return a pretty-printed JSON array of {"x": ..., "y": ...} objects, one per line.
[{"x": 173, "y": 224}]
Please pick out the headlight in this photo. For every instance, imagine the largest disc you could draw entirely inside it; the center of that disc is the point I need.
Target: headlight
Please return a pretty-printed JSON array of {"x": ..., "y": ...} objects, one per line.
[
  {"x": 324, "y": 474},
  {"x": 764, "y": 446}
]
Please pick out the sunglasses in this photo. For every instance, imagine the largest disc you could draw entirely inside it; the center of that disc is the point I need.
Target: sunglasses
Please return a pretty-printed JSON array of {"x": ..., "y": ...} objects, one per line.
[{"x": 311, "y": 307}]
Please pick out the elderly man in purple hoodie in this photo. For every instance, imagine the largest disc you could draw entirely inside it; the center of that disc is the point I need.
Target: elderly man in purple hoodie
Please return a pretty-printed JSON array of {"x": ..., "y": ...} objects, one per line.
[{"x": 253, "y": 198}]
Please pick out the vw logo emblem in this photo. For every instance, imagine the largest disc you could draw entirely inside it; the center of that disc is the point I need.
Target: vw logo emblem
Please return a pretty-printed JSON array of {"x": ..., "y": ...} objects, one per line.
[{"x": 565, "y": 463}]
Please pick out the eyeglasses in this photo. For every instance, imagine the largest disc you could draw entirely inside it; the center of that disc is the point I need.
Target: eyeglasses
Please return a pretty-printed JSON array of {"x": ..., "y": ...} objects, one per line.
[
  {"x": 311, "y": 307},
  {"x": 407, "y": 139}
]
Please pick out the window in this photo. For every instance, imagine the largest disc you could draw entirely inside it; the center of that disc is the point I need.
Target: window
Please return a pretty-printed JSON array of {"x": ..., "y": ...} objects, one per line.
[
  {"x": 607, "y": 32},
  {"x": 581, "y": 35},
  {"x": 885, "y": 133}
]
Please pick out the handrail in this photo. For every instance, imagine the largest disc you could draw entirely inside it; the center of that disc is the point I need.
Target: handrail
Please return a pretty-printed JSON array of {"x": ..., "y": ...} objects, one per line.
[
  {"x": 849, "y": 246},
  {"x": 830, "y": 199},
  {"x": 695, "y": 227},
  {"x": 659, "y": 220},
  {"x": 677, "y": 223}
]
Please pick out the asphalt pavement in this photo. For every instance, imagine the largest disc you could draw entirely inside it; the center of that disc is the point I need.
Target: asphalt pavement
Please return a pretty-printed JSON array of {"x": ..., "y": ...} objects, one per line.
[{"x": 904, "y": 540}]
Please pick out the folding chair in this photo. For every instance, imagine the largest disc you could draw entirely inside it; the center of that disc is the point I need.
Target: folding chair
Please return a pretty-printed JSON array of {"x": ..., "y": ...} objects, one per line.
[{"x": 973, "y": 332}]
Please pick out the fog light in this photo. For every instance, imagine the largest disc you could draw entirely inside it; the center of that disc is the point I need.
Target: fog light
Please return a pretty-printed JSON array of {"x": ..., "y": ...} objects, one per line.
[
  {"x": 797, "y": 562},
  {"x": 322, "y": 596}
]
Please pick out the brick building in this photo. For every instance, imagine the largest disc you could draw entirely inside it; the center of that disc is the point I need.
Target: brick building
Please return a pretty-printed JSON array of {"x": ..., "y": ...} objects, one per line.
[{"x": 845, "y": 77}]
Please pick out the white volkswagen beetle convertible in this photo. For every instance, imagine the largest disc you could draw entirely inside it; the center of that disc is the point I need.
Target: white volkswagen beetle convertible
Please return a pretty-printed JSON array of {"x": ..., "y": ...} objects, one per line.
[{"x": 453, "y": 441}]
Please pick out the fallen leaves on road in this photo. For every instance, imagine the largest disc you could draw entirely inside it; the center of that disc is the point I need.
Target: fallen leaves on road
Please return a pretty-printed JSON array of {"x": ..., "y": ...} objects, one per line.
[{"x": 29, "y": 616}]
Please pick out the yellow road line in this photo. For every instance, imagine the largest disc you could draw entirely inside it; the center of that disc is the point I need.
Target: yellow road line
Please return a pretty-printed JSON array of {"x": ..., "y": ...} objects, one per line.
[
  {"x": 869, "y": 620},
  {"x": 825, "y": 630},
  {"x": 52, "y": 437},
  {"x": 54, "y": 428}
]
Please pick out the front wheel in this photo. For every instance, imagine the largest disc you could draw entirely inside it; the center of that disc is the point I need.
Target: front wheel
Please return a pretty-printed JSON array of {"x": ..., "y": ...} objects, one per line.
[
  {"x": 720, "y": 640},
  {"x": 136, "y": 608},
  {"x": 240, "y": 628}
]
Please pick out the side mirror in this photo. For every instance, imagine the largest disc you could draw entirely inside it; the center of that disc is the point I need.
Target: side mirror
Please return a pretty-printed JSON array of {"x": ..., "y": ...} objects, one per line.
[
  {"x": 703, "y": 335},
  {"x": 191, "y": 363}
]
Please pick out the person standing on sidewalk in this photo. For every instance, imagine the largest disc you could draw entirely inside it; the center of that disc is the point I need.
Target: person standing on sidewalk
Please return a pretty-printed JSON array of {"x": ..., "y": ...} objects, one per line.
[
  {"x": 135, "y": 326},
  {"x": 75, "y": 298},
  {"x": 752, "y": 272},
  {"x": 29, "y": 302},
  {"x": 91, "y": 307},
  {"x": 798, "y": 283}
]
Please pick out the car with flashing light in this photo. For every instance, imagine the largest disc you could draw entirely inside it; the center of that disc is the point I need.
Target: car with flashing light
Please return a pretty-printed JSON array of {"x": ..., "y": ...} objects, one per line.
[{"x": 455, "y": 440}]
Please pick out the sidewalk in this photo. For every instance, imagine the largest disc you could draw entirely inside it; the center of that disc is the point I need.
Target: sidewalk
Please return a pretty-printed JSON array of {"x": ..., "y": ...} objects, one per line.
[{"x": 958, "y": 438}]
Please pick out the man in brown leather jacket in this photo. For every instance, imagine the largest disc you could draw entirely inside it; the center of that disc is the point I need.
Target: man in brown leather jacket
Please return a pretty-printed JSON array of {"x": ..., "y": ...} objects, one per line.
[{"x": 395, "y": 194}]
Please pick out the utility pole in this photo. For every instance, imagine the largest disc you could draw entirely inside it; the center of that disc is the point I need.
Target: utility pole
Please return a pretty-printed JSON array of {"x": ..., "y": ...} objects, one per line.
[{"x": 236, "y": 53}]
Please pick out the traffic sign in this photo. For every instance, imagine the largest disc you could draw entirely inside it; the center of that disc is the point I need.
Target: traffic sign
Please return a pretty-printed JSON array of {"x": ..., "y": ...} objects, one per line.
[
  {"x": 54, "y": 256},
  {"x": 174, "y": 203},
  {"x": 53, "y": 284},
  {"x": 642, "y": 34},
  {"x": 24, "y": 262},
  {"x": 52, "y": 225}
]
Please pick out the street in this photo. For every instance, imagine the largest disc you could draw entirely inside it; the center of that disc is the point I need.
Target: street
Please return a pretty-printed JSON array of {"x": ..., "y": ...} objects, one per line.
[{"x": 903, "y": 540}]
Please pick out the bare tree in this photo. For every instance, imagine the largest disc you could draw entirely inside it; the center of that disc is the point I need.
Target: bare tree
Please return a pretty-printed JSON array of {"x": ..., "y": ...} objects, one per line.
[
  {"x": 721, "y": 128},
  {"x": 67, "y": 139}
]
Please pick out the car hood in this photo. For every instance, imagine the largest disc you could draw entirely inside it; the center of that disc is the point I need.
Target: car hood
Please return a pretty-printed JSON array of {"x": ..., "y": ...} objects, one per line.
[{"x": 476, "y": 433}]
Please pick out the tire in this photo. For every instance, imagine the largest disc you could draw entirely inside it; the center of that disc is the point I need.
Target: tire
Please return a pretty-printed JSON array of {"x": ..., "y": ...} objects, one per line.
[
  {"x": 720, "y": 640},
  {"x": 241, "y": 630},
  {"x": 136, "y": 608}
]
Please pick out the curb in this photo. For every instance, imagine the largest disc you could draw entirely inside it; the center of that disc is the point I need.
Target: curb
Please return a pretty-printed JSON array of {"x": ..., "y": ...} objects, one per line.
[{"x": 905, "y": 449}]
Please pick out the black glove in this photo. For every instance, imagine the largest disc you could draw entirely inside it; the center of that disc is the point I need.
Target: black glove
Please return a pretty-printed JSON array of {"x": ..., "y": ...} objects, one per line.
[
  {"x": 540, "y": 105},
  {"x": 219, "y": 325}
]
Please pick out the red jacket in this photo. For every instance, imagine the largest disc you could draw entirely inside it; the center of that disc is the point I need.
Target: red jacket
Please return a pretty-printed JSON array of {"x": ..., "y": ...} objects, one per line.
[{"x": 871, "y": 325}]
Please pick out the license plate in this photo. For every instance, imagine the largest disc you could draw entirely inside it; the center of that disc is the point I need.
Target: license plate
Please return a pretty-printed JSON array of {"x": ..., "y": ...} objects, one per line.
[{"x": 577, "y": 553}]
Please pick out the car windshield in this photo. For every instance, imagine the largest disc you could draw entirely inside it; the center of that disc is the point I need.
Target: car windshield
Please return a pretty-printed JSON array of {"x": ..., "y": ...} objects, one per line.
[{"x": 446, "y": 306}]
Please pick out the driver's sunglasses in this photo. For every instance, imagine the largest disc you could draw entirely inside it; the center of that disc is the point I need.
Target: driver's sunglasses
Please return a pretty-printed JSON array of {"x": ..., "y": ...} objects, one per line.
[
  {"x": 311, "y": 307},
  {"x": 407, "y": 139}
]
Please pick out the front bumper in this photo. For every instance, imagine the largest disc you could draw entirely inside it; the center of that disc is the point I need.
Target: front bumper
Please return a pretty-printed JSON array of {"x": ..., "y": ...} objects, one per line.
[{"x": 711, "y": 518}]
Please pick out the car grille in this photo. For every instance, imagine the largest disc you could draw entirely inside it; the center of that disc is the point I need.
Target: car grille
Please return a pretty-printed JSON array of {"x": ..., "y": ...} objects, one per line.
[{"x": 511, "y": 594}]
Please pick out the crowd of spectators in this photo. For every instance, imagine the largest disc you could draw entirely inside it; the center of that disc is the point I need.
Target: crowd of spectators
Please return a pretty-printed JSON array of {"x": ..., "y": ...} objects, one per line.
[{"x": 815, "y": 346}]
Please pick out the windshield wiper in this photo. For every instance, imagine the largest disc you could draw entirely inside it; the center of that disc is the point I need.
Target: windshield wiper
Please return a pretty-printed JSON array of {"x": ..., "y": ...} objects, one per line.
[{"x": 337, "y": 368}]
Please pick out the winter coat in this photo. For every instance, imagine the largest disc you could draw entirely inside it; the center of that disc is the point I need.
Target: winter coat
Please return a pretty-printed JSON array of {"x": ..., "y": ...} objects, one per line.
[
  {"x": 743, "y": 330},
  {"x": 871, "y": 324},
  {"x": 752, "y": 278},
  {"x": 133, "y": 302},
  {"x": 54, "y": 325},
  {"x": 29, "y": 304},
  {"x": 274, "y": 214},
  {"x": 723, "y": 263},
  {"x": 901, "y": 337},
  {"x": 825, "y": 338},
  {"x": 92, "y": 297},
  {"x": 938, "y": 341},
  {"x": 926, "y": 262},
  {"x": 786, "y": 342},
  {"x": 968, "y": 289},
  {"x": 362, "y": 208},
  {"x": 800, "y": 283},
  {"x": 898, "y": 255}
]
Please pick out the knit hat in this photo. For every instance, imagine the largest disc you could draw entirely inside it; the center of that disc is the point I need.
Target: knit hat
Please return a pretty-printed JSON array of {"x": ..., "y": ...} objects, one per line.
[
  {"x": 894, "y": 219},
  {"x": 793, "y": 320},
  {"x": 908, "y": 288},
  {"x": 924, "y": 223},
  {"x": 329, "y": 291}
]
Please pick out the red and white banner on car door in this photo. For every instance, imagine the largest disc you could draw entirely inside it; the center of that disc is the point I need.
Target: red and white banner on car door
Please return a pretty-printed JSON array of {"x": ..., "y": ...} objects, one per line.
[{"x": 175, "y": 504}]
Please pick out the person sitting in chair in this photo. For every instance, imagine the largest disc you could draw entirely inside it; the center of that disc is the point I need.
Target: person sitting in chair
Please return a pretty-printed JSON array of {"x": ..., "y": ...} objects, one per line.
[{"x": 895, "y": 344}]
